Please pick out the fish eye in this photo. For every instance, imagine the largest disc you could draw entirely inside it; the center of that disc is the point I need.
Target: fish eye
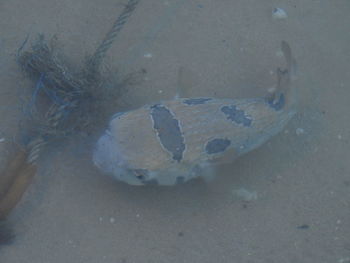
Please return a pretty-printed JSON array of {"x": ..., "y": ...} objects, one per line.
[
  {"x": 140, "y": 177},
  {"x": 140, "y": 174}
]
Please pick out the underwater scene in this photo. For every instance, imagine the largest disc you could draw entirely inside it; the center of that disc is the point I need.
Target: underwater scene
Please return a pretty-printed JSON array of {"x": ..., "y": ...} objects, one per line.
[{"x": 138, "y": 131}]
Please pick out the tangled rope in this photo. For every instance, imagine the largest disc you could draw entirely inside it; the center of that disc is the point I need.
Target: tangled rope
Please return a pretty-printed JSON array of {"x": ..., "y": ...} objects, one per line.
[
  {"x": 59, "y": 81},
  {"x": 68, "y": 93}
]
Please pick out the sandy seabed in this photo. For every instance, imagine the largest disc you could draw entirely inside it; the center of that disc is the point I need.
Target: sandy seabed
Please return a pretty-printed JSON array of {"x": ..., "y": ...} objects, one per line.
[{"x": 288, "y": 201}]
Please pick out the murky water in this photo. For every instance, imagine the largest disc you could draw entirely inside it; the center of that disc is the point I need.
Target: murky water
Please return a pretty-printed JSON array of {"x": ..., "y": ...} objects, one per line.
[{"x": 287, "y": 201}]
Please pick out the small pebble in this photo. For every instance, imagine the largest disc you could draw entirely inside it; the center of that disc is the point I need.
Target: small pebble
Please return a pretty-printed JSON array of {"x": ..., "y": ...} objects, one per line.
[
  {"x": 2, "y": 139},
  {"x": 279, "y": 53},
  {"x": 147, "y": 55},
  {"x": 160, "y": 91},
  {"x": 112, "y": 220},
  {"x": 279, "y": 13},
  {"x": 271, "y": 90},
  {"x": 339, "y": 137},
  {"x": 245, "y": 194},
  {"x": 299, "y": 131}
]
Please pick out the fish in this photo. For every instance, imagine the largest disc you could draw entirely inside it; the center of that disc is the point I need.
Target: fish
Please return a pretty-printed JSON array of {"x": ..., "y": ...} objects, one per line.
[{"x": 174, "y": 141}]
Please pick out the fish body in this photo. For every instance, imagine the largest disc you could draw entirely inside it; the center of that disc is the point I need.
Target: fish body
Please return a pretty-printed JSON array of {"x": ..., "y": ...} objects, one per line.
[{"x": 173, "y": 141}]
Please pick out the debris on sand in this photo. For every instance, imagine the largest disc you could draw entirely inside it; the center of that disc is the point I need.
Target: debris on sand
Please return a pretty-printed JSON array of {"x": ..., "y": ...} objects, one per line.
[{"x": 279, "y": 13}]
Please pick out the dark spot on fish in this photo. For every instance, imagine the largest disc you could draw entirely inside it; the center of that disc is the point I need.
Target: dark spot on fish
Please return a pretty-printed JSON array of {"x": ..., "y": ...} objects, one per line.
[
  {"x": 168, "y": 130},
  {"x": 277, "y": 104},
  {"x": 150, "y": 182},
  {"x": 180, "y": 180},
  {"x": 236, "y": 115},
  {"x": 217, "y": 146},
  {"x": 303, "y": 227},
  {"x": 180, "y": 234},
  {"x": 196, "y": 101}
]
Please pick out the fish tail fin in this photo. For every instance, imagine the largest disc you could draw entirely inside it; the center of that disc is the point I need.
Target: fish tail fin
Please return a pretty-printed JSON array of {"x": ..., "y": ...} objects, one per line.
[{"x": 284, "y": 96}]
